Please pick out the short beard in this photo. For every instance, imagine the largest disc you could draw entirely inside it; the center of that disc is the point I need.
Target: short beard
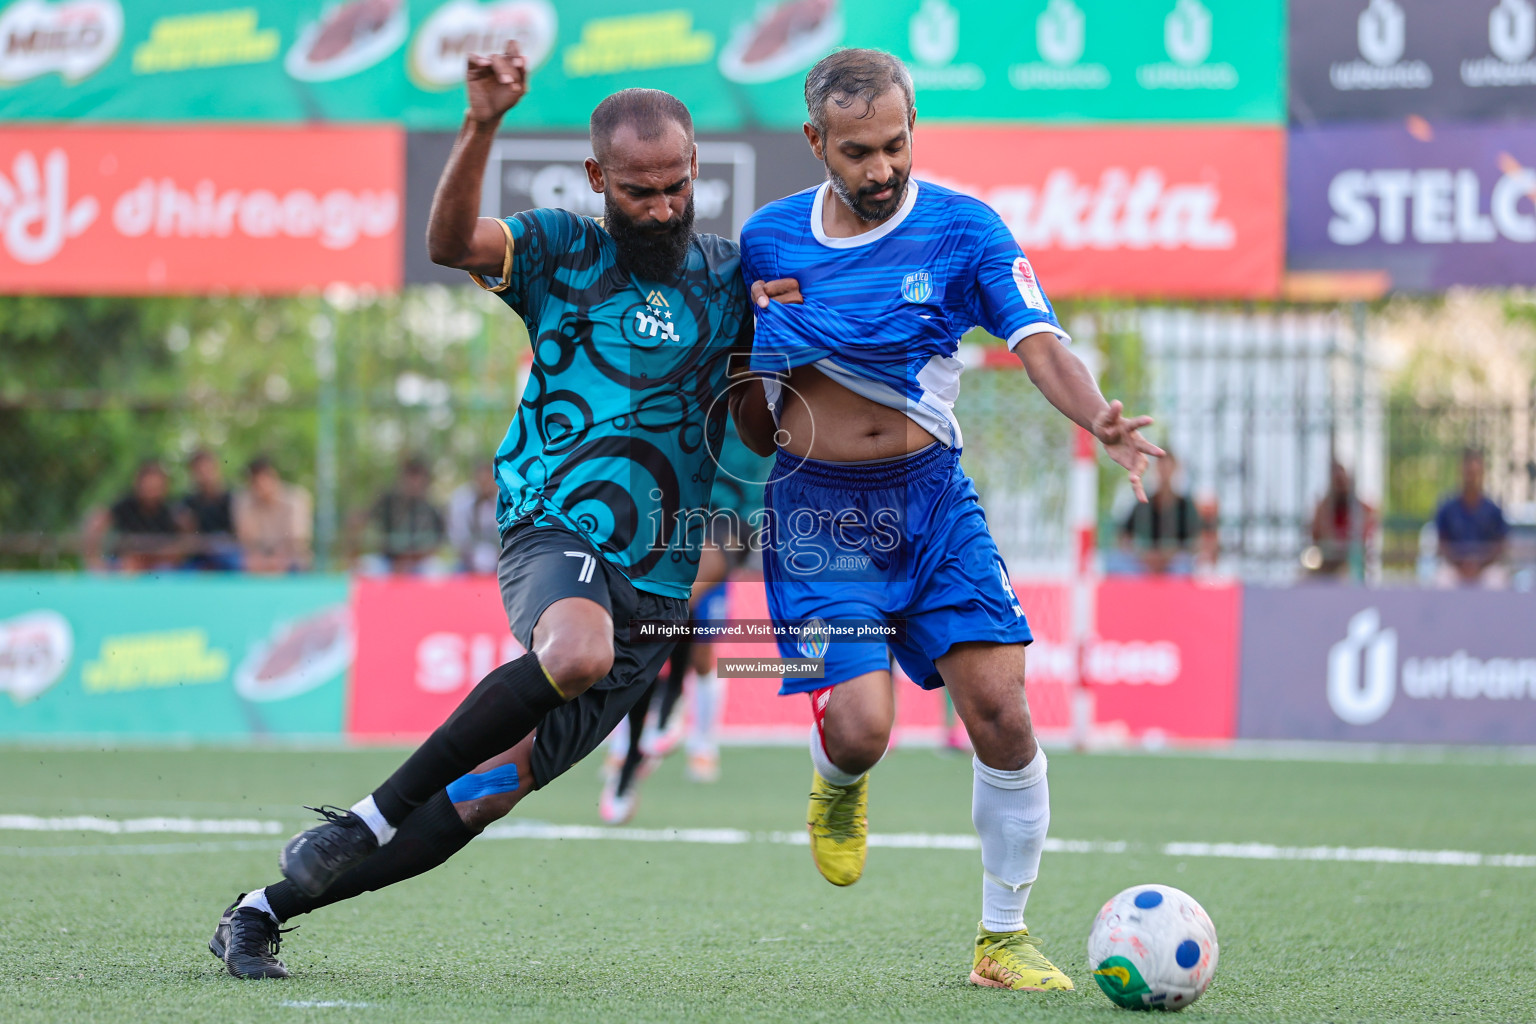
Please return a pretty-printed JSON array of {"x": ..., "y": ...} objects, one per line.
[
  {"x": 646, "y": 250},
  {"x": 868, "y": 210}
]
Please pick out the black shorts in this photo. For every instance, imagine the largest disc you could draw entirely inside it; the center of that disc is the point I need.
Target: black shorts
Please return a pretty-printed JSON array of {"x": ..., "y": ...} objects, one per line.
[{"x": 540, "y": 565}]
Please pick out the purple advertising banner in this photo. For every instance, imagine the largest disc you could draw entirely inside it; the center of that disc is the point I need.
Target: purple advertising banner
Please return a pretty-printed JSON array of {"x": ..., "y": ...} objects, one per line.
[
  {"x": 1407, "y": 666},
  {"x": 1432, "y": 205}
]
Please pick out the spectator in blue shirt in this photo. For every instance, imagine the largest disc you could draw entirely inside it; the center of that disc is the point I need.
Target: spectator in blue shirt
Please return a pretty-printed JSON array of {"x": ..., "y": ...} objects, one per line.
[{"x": 1473, "y": 534}]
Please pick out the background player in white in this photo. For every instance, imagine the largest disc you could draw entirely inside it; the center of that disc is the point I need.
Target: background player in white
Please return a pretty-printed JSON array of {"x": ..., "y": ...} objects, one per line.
[{"x": 891, "y": 272}]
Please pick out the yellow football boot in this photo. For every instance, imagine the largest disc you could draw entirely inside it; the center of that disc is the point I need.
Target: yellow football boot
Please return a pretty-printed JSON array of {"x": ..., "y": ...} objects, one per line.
[
  {"x": 839, "y": 828},
  {"x": 1013, "y": 960}
]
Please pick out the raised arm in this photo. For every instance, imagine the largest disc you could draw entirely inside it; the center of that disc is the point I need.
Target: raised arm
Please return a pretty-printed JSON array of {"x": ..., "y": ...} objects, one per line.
[
  {"x": 1066, "y": 383},
  {"x": 457, "y": 236}
]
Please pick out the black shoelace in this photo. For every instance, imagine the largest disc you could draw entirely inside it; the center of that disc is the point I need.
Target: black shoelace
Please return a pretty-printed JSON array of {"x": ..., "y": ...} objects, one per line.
[{"x": 335, "y": 846}]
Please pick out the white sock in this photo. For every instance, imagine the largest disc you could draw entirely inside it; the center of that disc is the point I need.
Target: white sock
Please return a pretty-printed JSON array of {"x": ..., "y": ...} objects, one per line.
[
  {"x": 708, "y": 701},
  {"x": 366, "y": 809},
  {"x": 829, "y": 771},
  {"x": 258, "y": 899},
  {"x": 1011, "y": 812}
]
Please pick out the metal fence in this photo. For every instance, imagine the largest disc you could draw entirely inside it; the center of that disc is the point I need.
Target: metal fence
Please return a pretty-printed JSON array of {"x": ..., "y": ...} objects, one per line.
[{"x": 338, "y": 389}]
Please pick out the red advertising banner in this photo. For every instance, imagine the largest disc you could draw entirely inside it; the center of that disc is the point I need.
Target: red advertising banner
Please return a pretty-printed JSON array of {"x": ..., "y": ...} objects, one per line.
[
  {"x": 149, "y": 211},
  {"x": 1186, "y": 212},
  {"x": 1165, "y": 662},
  {"x": 422, "y": 645},
  {"x": 1164, "y": 665}
]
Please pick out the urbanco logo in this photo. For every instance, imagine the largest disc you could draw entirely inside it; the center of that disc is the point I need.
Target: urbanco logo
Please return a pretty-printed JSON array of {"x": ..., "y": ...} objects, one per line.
[
  {"x": 1381, "y": 35},
  {"x": 933, "y": 34},
  {"x": 1381, "y": 32},
  {"x": 1187, "y": 35},
  {"x": 1362, "y": 670},
  {"x": 1061, "y": 35},
  {"x": 1512, "y": 39},
  {"x": 1187, "y": 32}
]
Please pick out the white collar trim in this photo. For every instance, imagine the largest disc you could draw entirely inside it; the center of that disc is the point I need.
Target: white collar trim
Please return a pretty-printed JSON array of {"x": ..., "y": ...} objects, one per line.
[{"x": 867, "y": 237}]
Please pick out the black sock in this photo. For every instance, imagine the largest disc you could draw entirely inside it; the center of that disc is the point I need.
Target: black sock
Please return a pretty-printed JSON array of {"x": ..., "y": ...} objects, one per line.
[
  {"x": 430, "y": 835},
  {"x": 634, "y": 755},
  {"x": 496, "y": 716},
  {"x": 670, "y": 687}
]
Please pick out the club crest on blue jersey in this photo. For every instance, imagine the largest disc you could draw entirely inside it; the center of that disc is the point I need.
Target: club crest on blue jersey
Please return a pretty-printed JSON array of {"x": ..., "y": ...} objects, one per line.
[{"x": 917, "y": 286}]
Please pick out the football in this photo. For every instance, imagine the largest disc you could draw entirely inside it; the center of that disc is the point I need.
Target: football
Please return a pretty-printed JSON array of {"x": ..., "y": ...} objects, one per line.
[{"x": 1152, "y": 947}]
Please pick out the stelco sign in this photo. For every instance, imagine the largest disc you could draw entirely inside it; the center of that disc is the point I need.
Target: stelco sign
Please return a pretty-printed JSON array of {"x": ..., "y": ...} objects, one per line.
[{"x": 1434, "y": 205}]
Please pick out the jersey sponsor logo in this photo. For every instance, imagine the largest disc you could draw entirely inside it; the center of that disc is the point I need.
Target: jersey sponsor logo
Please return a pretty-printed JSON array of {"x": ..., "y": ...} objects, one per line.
[
  {"x": 1029, "y": 287},
  {"x": 652, "y": 321},
  {"x": 917, "y": 286}
]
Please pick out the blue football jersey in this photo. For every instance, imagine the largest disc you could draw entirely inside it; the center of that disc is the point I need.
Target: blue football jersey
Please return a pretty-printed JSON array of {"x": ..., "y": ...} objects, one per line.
[{"x": 885, "y": 310}]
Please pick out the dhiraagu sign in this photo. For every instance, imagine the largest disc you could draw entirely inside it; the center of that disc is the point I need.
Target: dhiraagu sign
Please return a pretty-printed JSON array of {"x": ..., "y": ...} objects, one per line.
[{"x": 184, "y": 656}]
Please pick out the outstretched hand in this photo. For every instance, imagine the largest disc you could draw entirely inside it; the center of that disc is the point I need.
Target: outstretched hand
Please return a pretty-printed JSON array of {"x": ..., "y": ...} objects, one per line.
[
  {"x": 785, "y": 289},
  {"x": 495, "y": 83},
  {"x": 1121, "y": 438}
]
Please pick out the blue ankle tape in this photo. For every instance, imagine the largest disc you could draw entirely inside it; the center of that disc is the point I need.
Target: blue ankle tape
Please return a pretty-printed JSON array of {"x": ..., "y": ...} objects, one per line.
[{"x": 472, "y": 787}]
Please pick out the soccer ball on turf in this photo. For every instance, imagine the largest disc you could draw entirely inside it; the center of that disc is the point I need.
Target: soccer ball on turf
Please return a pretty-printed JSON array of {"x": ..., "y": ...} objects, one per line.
[{"x": 1152, "y": 947}]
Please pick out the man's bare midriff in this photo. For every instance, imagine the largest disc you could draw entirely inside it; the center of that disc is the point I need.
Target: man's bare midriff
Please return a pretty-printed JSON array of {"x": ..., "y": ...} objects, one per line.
[{"x": 823, "y": 420}]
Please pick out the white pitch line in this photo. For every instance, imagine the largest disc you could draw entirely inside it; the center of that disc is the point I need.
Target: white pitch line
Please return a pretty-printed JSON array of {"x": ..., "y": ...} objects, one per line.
[
  {"x": 136, "y": 849},
  {"x": 134, "y": 826},
  {"x": 724, "y": 837}
]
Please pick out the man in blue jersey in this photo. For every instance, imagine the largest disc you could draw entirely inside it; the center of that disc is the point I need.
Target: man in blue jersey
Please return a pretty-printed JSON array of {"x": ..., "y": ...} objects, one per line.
[
  {"x": 610, "y": 453},
  {"x": 872, "y": 523}
]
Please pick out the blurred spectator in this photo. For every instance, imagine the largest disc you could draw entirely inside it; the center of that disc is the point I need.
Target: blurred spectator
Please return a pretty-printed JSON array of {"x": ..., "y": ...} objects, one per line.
[
  {"x": 272, "y": 521},
  {"x": 205, "y": 513},
  {"x": 1471, "y": 530},
  {"x": 472, "y": 527},
  {"x": 1333, "y": 525},
  {"x": 1163, "y": 533},
  {"x": 409, "y": 526},
  {"x": 145, "y": 535}
]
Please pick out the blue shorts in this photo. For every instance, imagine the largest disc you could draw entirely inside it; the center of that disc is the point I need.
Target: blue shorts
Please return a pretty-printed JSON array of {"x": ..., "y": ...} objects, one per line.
[
  {"x": 712, "y": 604},
  {"x": 902, "y": 543}
]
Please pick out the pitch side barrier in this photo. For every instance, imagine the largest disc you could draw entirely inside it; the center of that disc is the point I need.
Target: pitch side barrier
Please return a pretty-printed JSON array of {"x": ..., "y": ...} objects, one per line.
[{"x": 1172, "y": 660}]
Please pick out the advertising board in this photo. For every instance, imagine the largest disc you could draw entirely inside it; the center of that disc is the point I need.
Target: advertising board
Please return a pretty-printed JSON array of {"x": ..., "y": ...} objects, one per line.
[
  {"x": 140, "y": 211},
  {"x": 1144, "y": 212},
  {"x": 1433, "y": 205},
  {"x": 178, "y": 657},
  {"x": 737, "y": 66},
  {"x": 1406, "y": 666}
]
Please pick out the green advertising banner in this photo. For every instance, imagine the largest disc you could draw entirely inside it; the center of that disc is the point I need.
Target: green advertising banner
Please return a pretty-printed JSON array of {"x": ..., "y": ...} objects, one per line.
[
  {"x": 187, "y": 657},
  {"x": 736, "y": 65}
]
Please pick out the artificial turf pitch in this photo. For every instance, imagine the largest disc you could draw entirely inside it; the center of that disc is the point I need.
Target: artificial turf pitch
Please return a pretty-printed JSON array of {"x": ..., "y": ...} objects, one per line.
[{"x": 619, "y": 930}]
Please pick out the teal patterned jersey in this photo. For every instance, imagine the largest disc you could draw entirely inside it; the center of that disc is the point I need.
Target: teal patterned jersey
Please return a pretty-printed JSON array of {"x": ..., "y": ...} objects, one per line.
[{"x": 626, "y": 399}]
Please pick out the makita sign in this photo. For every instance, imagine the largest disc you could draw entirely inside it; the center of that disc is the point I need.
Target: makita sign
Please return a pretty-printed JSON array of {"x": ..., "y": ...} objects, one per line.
[
  {"x": 1187, "y": 212},
  {"x": 1382, "y": 59},
  {"x": 1419, "y": 666},
  {"x": 1432, "y": 204}
]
